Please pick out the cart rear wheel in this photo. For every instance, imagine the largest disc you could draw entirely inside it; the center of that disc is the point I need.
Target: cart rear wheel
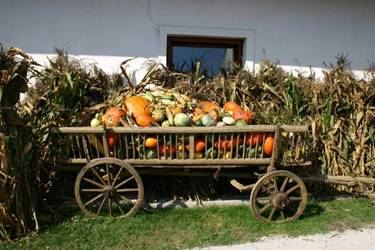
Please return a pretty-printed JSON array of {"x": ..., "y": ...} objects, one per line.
[
  {"x": 278, "y": 197},
  {"x": 108, "y": 186}
]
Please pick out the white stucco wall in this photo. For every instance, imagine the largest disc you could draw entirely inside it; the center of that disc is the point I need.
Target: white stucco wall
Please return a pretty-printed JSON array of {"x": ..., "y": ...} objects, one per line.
[{"x": 295, "y": 32}]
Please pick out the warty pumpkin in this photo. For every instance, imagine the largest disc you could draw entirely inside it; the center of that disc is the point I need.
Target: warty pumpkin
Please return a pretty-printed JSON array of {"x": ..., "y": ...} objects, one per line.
[
  {"x": 241, "y": 114},
  {"x": 112, "y": 117},
  {"x": 230, "y": 106}
]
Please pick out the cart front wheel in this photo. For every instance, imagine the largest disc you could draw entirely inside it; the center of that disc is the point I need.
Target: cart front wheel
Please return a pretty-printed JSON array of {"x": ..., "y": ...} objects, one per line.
[
  {"x": 108, "y": 186},
  {"x": 278, "y": 197}
]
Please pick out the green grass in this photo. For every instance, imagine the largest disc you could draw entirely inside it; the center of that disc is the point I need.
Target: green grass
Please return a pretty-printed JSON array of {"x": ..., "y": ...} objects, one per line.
[{"x": 187, "y": 228}]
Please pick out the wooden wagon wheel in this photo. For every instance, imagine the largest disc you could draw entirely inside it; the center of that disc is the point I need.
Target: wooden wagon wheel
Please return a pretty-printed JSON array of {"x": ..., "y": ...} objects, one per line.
[
  {"x": 108, "y": 186},
  {"x": 278, "y": 197}
]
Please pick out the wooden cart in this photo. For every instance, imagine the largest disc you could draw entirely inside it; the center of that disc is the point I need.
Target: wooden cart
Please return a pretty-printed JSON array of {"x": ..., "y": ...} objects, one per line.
[{"x": 109, "y": 181}]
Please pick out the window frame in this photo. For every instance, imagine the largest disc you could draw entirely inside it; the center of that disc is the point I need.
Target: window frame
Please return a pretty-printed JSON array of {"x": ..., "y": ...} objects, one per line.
[{"x": 237, "y": 44}]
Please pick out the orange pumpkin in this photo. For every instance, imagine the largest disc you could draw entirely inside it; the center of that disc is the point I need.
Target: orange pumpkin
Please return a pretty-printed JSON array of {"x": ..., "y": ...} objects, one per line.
[
  {"x": 137, "y": 105},
  {"x": 199, "y": 145},
  {"x": 112, "y": 139},
  {"x": 167, "y": 149},
  {"x": 230, "y": 106},
  {"x": 214, "y": 114},
  {"x": 257, "y": 137},
  {"x": 144, "y": 120},
  {"x": 227, "y": 144},
  {"x": 208, "y": 106},
  {"x": 268, "y": 145},
  {"x": 270, "y": 134},
  {"x": 241, "y": 114},
  {"x": 112, "y": 117},
  {"x": 151, "y": 142},
  {"x": 234, "y": 142},
  {"x": 198, "y": 114}
]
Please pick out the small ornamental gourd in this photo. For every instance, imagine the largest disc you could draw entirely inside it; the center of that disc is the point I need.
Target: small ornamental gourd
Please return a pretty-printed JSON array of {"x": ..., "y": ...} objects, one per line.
[
  {"x": 208, "y": 121},
  {"x": 240, "y": 123},
  {"x": 182, "y": 120},
  {"x": 96, "y": 122},
  {"x": 151, "y": 153},
  {"x": 229, "y": 120},
  {"x": 158, "y": 115},
  {"x": 165, "y": 124}
]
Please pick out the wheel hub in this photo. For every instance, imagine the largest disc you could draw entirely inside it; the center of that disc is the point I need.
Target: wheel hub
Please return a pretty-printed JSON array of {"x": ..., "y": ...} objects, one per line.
[
  {"x": 280, "y": 200},
  {"x": 108, "y": 189}
]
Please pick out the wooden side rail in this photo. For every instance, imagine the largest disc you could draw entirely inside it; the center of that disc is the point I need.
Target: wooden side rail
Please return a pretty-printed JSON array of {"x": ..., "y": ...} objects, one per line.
[{"x": 231, "y": 145}]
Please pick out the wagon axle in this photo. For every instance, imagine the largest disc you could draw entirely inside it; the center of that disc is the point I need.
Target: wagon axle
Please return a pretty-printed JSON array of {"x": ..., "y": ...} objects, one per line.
[
  {"x": 108, "y": 190},
  {"x": 280, "y": 200}
]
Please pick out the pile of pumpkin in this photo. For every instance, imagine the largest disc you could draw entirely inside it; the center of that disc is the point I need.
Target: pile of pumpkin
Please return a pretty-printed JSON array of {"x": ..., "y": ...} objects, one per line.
[{"x": 166, "y": 108}]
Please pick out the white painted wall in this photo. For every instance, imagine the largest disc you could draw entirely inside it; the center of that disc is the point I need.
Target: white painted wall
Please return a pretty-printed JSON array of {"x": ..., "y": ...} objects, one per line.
[{"x": 295, "y": 32}]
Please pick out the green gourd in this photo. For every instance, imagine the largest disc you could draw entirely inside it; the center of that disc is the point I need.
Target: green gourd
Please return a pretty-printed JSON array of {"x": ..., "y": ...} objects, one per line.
[
  {"x": 182, "y": 120},
  {"x": 207, "y": 120}
]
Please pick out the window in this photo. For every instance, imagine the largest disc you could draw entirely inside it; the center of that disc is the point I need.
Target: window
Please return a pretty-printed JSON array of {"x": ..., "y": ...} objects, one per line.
[{"x": 216, "y": 55}]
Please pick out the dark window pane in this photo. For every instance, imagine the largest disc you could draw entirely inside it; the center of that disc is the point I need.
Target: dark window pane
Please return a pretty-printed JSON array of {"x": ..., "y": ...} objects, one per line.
[{"x": 213, "y": 60}]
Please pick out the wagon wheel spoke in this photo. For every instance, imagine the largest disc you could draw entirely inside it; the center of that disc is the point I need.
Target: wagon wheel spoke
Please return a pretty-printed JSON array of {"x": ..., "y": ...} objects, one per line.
[
  {"x": 116, "y": 177},
  {"x": 119, "y": 206},
  {"x": 263, "y": 199},
  {"x": 294, "y": 198},
  {"x": 290, "y": 190},
  {"x": 108, "y": 184},
  {"x": 283, "y": 205},
  {"x": 98, "y": 175},
  {"x": 261, "y": 211},
  {"x": 128, "y": 201},
  {"x": 272, "y": 213},
  {"x": 123, "y": 190},
  {"x": 284, "y": 184},
  {"x": 108, "y": 174},
  {"x": 101, "y": 205},
  {"x": 109, "y": 206},
  {"x": 93, "y": 182},
  {"x": 282, "y": 215},
  {"x": 92, "y": 190},
  {"x": 275, "y": 184},
  {"x": 93, "y": 199},
  {"x": 124, "y": 182}
]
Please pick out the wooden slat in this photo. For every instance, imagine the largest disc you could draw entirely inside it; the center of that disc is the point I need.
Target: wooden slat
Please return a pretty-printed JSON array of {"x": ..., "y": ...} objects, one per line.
[
  {"x": 203, "y": 162},
  {"x": 181, "y": 130}
]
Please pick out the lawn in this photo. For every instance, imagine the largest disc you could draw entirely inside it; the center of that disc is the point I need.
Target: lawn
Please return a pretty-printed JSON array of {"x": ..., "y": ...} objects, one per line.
[{"x": 187, "y": 228}]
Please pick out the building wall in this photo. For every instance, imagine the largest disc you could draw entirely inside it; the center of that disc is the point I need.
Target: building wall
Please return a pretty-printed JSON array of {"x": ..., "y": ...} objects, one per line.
[{"x": 298, "y": 33}]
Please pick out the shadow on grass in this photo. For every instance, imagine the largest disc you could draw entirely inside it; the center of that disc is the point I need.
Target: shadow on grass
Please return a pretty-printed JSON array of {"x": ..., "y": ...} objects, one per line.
[{"x": 312, "y": 210}]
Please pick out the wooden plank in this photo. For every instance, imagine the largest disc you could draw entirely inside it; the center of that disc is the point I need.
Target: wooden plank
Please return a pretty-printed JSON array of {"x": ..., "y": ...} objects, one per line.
[
  {"x": 209, "y": 163},
  {"x": 181, "y": 130},
  {"x": 221, "y": 162},
  {"x": 191, "y": 147}
]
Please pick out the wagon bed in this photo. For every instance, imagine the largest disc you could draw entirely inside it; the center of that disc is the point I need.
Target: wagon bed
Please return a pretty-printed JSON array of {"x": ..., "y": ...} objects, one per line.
[{"x": 110, "y": 157}]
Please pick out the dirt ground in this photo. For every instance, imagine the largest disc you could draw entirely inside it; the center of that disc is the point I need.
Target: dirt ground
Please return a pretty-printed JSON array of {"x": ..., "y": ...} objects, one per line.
[{"x": 347, "y": 240}]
